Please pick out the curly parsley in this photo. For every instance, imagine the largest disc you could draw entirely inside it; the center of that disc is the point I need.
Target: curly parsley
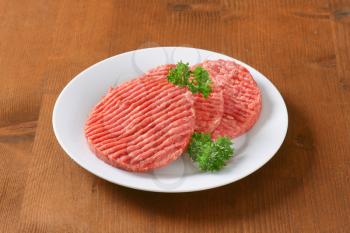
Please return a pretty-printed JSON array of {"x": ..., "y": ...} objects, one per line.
[
  {"x": 197, "y": 81},
  {"x": 210, "y": 155}
]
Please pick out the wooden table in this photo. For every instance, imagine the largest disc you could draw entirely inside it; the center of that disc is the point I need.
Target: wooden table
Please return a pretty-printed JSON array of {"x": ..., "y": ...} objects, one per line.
[{"x": 302, "y": 46}]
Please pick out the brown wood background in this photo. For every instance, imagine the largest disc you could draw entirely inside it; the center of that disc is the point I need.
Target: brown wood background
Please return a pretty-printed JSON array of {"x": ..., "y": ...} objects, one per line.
[{"x": 303, "y": 46}]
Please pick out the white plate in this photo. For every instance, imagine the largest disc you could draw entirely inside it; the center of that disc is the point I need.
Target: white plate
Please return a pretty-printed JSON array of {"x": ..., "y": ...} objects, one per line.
[{"x": 77, "y": 99}]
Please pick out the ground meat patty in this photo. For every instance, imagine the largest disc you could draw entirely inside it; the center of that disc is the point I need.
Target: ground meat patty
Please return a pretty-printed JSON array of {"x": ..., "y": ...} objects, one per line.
[
  {"x": 242, "y": 98},
  {"x": 208, "y": 110},
  {"x": 142, "y": 124}
]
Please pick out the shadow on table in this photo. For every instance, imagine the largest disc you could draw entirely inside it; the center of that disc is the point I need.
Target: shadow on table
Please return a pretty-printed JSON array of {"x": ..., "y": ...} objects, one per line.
[{"x": 267, "y": 188}]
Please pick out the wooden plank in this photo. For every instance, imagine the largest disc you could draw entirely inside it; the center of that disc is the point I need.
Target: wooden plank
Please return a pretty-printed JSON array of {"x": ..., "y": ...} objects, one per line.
[
  {"x": 23, "y": 53},
  {"x": 302, "y": 46},
  {"x": 341, "y": 36}
]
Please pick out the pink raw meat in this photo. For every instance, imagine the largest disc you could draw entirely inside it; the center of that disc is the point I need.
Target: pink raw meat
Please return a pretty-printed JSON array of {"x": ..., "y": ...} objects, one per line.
[
  {"x": 143, "y": 124},
  {"x": 242, "y": 97},
  {"x": 208, "y": 110}
]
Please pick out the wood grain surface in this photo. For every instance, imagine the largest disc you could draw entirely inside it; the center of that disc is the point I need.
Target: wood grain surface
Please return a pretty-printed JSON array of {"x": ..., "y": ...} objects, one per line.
[{"x": 303, "y": 46}]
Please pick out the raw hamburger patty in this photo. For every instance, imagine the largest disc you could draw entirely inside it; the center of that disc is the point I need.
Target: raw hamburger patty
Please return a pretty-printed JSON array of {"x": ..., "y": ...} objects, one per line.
[
  {"x": 208, "y": 111},
  {"x": 242, "y": 98},
  {"x": 142, "y": 124}
]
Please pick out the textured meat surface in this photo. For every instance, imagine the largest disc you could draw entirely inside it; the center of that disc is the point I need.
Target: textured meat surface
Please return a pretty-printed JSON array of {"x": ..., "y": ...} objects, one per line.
[
  {"x": 242, "y": 98},
  {"x": 208, "y": 111},
  {"x": 142, "y": 124}
]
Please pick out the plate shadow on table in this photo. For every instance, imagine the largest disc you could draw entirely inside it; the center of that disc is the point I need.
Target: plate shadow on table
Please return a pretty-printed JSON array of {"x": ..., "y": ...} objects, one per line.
[{"x": 265, "y": 189}]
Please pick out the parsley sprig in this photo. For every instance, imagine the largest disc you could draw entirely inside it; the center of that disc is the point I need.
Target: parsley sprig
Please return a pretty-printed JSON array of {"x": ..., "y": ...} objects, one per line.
[
  {"x": 197, "y": 81},
  {"x": 210, "y": 155}
]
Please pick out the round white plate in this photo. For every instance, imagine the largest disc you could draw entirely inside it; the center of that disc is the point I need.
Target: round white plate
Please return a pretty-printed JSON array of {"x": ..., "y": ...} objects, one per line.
[{"x": 73, "y": 105}]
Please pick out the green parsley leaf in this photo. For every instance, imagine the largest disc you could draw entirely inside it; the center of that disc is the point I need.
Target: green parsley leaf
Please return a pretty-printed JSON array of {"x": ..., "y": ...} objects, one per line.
[
  {"x": 210, "y": 155},
  {"x": 200, "y": 83},
  {"x": 180, "y": 74},
  {"x": 197, "y": 81}
]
